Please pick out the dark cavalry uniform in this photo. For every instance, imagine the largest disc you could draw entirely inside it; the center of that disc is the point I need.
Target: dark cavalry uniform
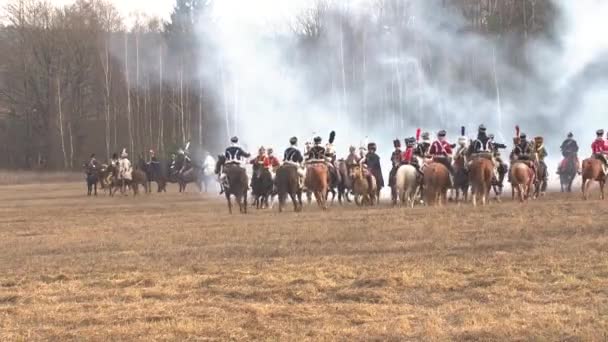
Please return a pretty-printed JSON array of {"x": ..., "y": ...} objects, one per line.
[
  {"x": 396, "y": 162},
  {"x": 422, "y": 149},
  {"x": 569, "y": 147},
  {"x": 317, "y": 152},
  {"x": 372, "y": 160},
  {"x": 234, "y": 154},
  {"x": 293, "y": 155},
  {"x": 481, "y": 144}
]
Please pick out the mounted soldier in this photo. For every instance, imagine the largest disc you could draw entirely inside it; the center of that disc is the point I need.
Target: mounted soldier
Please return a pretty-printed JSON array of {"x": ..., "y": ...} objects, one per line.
[
  {"x": 293, "y": 156},
  {"x": 501, "y": 167},
  {"x": 235, "y": 156},
  {"x": 423, "y": 148},
  {"x": 372, "y": 160},
  {"x": 569, "y": 150},
  {"x": 125, "y": 170},
  {"x": 600, "y": 149},
  {"x": 317, "y": 153},
  {"x": 539, "y": 153},
  {"x": 441, "y": 151},
  {"x": 353, "y": 158},
  {"x": 395, "y": 162},
  {"x": 409, "y": 156}
]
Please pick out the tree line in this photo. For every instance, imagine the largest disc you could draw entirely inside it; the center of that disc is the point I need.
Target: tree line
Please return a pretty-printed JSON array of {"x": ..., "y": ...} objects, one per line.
[{"x": 78, "y": 79}]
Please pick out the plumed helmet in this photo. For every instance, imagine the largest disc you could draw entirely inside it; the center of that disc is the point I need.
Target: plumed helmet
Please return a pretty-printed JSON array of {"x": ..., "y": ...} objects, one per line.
[
  {"x": 317, "y": 140},
  {"x": 234, "y": 140},
  {"x": 293, "y": 140},
  {"x": 599, "y": 132},
  {"x": 482, "y": 128},
  {"x": 397, "y": 143},
  {"x": 371, "y": 146},
  {"x": 332, "y": 137},
  {"x": 442, "y": 133},
  {"x": 570, "y": 135}
]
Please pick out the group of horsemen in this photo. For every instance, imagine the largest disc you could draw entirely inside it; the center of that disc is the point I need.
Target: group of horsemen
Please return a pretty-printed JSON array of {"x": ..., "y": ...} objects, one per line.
[{"x": 418, "y": 152}]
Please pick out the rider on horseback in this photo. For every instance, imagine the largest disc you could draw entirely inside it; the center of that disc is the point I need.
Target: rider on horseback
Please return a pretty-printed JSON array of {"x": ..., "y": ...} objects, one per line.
[
  {"x": 409, "y": 156},
  {"x": 422, "y": 149},
  {"x": 395, "y": 161},
  {"x": 234, "y": 156},
  {"x": 294, "y": 157},
  {"x": 353, "y": 158},
  {"x": 441, "y": 151},
  {"x": 569, "y": 151},
  {"x": 501, "y": 167},
  {"x": 271, "y": 161},
  {"x": 600, "y": 149},
  {"x": 317, "y": 153},
  {"x": 93, "y": 163},
  {"x": 125, "y": 169},
  {"x": 540, "y": 153},
  {"x": 372, "y": 160}
]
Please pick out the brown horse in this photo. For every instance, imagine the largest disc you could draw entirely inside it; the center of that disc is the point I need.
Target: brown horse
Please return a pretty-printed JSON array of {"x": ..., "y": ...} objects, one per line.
[
  {"x": 364, "y": 188},
  {"x": 522, "y": 180},
  {"x": 316, "y": 182},
  {"x": 238, "y": 183},
  {"x": 593, "y": 171},
  {"x": 436, "y": 183},
  {"x": 287, "y": 182},
  {"x": 480, "y": 176}
]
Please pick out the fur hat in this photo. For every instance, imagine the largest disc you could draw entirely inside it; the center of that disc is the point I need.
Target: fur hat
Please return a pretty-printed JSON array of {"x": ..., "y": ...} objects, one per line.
[
  {"x": 411, "y": 141},
  {"x": 372, "y": 146},
  {"x": 293, "y": 141},
  {"x": 482, "y": 128},
  {"x": 570, "y": 135},
  {"x": 426, "y": 136},
  {"x": 234, "y": 140},
  {"x": 332, "y": 137},
  {"x": 397, "y": 143},
  {"x": 442, "y": 133},
  {"x": 317, "y": 140},
  {"x": 523, "y": 136},
  {"x": 599, "y": 132}
]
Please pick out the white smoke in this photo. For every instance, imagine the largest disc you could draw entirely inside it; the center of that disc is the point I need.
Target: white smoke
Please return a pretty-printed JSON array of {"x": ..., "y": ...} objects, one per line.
[{"x": 267, "y": 99}]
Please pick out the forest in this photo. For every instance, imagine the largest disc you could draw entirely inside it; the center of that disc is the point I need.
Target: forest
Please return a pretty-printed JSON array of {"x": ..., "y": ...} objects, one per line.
[{"x": 82, "y": 78}]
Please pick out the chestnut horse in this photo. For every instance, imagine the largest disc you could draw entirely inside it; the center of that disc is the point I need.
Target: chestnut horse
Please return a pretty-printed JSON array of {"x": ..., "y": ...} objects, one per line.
[
  {"x": 436, "y": 183},
  {"x": 522, "y": 179},
  {"x": 481, "y": 173},
  {"x": 593, "y": 171},
  {"x": 317, "y": 182},
  {"x": 238, "y": 183},
  {"x": 364, "y": 187}
]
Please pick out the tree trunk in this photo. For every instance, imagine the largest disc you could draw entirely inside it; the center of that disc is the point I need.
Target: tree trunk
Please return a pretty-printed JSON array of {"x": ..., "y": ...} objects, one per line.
[
  {"x": 129, "y": 114},
  {"x": 61, "y": 134}
]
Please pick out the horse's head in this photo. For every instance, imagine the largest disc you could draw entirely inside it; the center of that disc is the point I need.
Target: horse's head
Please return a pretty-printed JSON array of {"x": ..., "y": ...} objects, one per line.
[{"x": 355, "y": 171}]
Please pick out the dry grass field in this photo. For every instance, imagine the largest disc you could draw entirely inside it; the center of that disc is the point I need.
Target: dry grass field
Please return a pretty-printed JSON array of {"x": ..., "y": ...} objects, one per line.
[{"x": 178, "y": 267}]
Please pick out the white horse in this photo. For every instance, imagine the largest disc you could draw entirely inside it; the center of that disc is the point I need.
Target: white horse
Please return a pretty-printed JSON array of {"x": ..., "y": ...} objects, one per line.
[{"x": 406, "y": 183}]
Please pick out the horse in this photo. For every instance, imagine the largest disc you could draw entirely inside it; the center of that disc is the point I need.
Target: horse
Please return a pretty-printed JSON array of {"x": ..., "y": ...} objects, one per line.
[
  {"x": 436, "y": 183},
  {"x": 333, "y": 182},
  {"x": 138, "y": 177},
  {"x": 461, "y": 177},
  {"x": 364, "y": 187},
  {"x": 262, "y": 187},
  {"x": 287, "y": 182},
  {"x": 522, "y": 179},
  {"x": 481, "y": 173},
  {"x": 237, "y": 183},
  {"x": 407, "y": 186},
  {"x": 153, "y": 174},
  {"x": 194, "y": 174},
  {"x": 567, "y": 174},
  {"x": 92, "y": 178},
  {"x": 345, "y": 186},
  {"x": 593, "y": 171},
  {"x": 316, "y": 182}
]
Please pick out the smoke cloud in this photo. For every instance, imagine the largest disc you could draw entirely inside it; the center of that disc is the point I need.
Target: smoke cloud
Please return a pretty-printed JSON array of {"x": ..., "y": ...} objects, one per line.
[{"x": 429, "y": 70}]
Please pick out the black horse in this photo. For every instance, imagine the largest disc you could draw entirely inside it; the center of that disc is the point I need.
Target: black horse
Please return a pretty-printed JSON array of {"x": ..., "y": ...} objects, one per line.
[
  {"x": 153, "y": 173},
  {"x": 287, "y": 182},
  {"x": 261, "y": 187},
  {"x": 567, "y": 173}
]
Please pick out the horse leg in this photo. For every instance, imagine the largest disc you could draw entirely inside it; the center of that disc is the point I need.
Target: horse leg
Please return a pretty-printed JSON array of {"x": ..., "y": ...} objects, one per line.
[
  {"x": 95, "y": 187},
  {"x": 229, "y": 203},
  {"x": 602, "y": 184},
  {"x": 245, "y": 203},
  {"x": 585, "y": 188}
]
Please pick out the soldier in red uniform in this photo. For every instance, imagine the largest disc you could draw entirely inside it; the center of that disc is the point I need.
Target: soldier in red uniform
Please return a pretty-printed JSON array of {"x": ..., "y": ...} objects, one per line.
[
  {"x": 600, "y": 149},
  {"x": 441, "y": 151},
  {"x": 271, "y": 162},
  {"x": 409, "y": 155}
]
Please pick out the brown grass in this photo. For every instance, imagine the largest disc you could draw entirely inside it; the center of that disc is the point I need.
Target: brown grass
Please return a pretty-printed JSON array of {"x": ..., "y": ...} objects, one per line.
[
  {"x": 38, "y": 177},
  {"x": 178, "y": 267}
]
